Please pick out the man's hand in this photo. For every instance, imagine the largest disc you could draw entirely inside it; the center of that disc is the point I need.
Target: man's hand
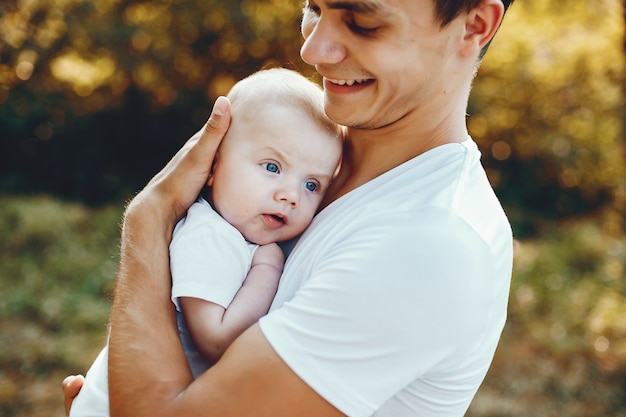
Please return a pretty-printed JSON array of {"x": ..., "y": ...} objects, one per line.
[
  {"x": 71, "y": 386},
  {"x": 178, "y": 184}
]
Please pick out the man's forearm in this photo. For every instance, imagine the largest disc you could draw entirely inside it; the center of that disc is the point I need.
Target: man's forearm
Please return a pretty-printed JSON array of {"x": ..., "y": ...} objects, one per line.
[
  {"x": 144, "y": 345},
  {"x": 147, "y": 366}
]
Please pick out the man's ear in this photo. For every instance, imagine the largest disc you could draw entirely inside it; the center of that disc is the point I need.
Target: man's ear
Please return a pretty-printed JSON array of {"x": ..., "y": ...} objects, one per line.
[{"x": 481, "y": 24}]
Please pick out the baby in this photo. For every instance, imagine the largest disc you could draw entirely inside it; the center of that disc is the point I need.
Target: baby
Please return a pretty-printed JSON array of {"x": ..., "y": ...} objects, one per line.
[{"x": 268, "y": 180}]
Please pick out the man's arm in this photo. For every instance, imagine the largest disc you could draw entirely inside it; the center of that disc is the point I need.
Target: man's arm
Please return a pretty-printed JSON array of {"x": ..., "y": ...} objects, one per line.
[
  {"x": 213, "y": 327},
  {"x": 148, "y": 373}
]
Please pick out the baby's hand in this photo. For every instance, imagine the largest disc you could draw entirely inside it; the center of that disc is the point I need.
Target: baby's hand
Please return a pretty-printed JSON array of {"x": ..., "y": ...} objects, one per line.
[{"x": 270, "y": 255}]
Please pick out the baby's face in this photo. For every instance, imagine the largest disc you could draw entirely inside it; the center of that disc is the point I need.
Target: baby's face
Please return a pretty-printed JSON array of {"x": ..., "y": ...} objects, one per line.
[{"x": 272, "y": 172}]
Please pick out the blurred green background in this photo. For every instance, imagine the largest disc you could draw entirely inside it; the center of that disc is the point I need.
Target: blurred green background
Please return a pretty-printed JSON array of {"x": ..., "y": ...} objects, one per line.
[{"x": 95, "y": 96}]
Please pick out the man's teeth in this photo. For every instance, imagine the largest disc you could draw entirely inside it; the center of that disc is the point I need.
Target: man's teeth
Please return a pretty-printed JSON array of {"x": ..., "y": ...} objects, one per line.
[{"x": 349, "y": 83}]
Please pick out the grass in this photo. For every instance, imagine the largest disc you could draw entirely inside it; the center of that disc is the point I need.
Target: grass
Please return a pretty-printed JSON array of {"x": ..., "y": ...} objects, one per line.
[
  {"x": 57, "y": 268},
  {"x": 569, "y": 292},
  {"x": 562, "y": 352}
]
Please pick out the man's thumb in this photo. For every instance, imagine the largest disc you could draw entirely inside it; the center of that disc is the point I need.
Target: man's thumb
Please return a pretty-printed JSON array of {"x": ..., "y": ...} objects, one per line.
[{"x": 220, "y": 117}]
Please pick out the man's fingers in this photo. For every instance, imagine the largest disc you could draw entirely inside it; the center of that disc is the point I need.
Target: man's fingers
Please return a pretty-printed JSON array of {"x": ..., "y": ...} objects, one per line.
[
  {"x": 184, "y": 176},
  {"x": 196, "y": 162},
  {"x": 215, "y": 128},
  {"x": 209, "y": 137},
  {"x": 71, "y": 386}
]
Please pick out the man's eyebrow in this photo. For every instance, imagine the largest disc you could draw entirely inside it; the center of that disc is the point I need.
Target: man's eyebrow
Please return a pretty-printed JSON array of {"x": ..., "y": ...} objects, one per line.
[{"x": 358, "y": 6}]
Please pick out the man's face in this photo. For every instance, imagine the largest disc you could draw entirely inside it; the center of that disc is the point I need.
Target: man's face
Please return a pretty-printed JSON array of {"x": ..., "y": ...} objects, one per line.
[{"x": 382, "y": 60}]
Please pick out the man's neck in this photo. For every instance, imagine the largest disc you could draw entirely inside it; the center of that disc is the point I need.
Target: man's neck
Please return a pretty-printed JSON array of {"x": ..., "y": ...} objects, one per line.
[{"x": 369, "y": 153}]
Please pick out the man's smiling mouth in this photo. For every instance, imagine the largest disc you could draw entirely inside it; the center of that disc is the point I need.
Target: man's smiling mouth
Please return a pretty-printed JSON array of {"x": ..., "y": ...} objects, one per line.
[{"x": 349, "y": 83}]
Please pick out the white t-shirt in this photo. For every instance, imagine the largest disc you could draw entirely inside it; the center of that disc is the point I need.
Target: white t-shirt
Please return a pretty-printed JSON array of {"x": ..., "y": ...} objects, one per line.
[
  {"x": 393, "y": 301},
  {"x": 209, "y": 259}
]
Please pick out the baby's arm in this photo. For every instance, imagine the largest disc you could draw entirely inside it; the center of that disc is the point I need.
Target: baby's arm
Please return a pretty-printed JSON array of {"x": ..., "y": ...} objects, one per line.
[{"x": 213, "y": 327}]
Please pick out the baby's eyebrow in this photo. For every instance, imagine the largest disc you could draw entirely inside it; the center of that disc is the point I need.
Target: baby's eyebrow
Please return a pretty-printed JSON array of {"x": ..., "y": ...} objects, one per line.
[
  {"x": 281, "y": 155},
  {"x": 321, "y": 177}
]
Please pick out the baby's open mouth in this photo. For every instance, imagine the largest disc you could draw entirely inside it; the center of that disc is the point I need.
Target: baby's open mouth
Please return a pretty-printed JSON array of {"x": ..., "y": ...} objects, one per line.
[{"x": 278, "y": 218}]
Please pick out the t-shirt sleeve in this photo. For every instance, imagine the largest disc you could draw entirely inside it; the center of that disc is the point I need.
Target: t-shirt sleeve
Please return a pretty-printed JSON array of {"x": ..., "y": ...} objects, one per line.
[
  {"x": 208, "y": 261},
  {"x": 387, "y": 304}
]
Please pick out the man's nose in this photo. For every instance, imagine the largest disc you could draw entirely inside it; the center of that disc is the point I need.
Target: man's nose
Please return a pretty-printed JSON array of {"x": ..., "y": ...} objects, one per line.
[{"x": 322, "y": 43}]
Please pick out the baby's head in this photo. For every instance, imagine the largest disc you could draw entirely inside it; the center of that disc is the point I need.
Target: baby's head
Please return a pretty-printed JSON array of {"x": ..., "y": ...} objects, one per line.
[{"x": 278, "y": 158}]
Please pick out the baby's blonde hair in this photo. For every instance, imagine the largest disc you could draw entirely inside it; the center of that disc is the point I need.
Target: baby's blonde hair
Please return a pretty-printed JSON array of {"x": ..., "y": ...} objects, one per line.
[{"x": 280, "y": 86}]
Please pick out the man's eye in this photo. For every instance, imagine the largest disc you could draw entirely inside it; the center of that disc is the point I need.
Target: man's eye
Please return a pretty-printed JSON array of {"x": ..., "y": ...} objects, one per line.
[
  {"x": 361, "y": 30},
  {"x": 311, "y": 186},
  {"x": 271, "y": 167},
  {"x": 362, "y": 24}
]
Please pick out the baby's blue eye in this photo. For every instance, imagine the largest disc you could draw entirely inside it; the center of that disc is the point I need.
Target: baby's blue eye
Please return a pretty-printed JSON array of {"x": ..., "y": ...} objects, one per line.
[
  {"x": 311, "y": 186},
  {"x": 271, "y": 167}
]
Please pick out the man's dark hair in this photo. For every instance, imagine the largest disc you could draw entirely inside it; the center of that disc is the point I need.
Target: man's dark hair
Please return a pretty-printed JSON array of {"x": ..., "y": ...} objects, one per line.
[{"x": 447, "y": 10}]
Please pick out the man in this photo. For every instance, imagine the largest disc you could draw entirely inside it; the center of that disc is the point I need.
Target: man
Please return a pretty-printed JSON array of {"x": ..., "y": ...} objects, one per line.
[{"x": 392, "y": 303}]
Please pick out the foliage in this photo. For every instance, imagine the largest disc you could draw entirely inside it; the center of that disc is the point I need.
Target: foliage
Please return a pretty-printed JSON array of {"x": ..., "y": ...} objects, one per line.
[
  {"x": 166, "y": 48},
  {"x": 57, "y": 263},
  {"x": 95, "y": 95},
  {"x": 568, "y": 290},
  {"x": 548, "y": 108}
]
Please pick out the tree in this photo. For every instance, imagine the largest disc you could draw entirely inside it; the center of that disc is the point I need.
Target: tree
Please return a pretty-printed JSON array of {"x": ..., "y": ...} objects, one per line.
[
  {"x": 547, "y": 108},
  {"x": 96, "y": 94}
]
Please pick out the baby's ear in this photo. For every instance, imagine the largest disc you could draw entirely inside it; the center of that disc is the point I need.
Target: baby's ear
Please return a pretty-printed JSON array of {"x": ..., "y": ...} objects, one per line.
[{"x": 209, "y": 181}]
